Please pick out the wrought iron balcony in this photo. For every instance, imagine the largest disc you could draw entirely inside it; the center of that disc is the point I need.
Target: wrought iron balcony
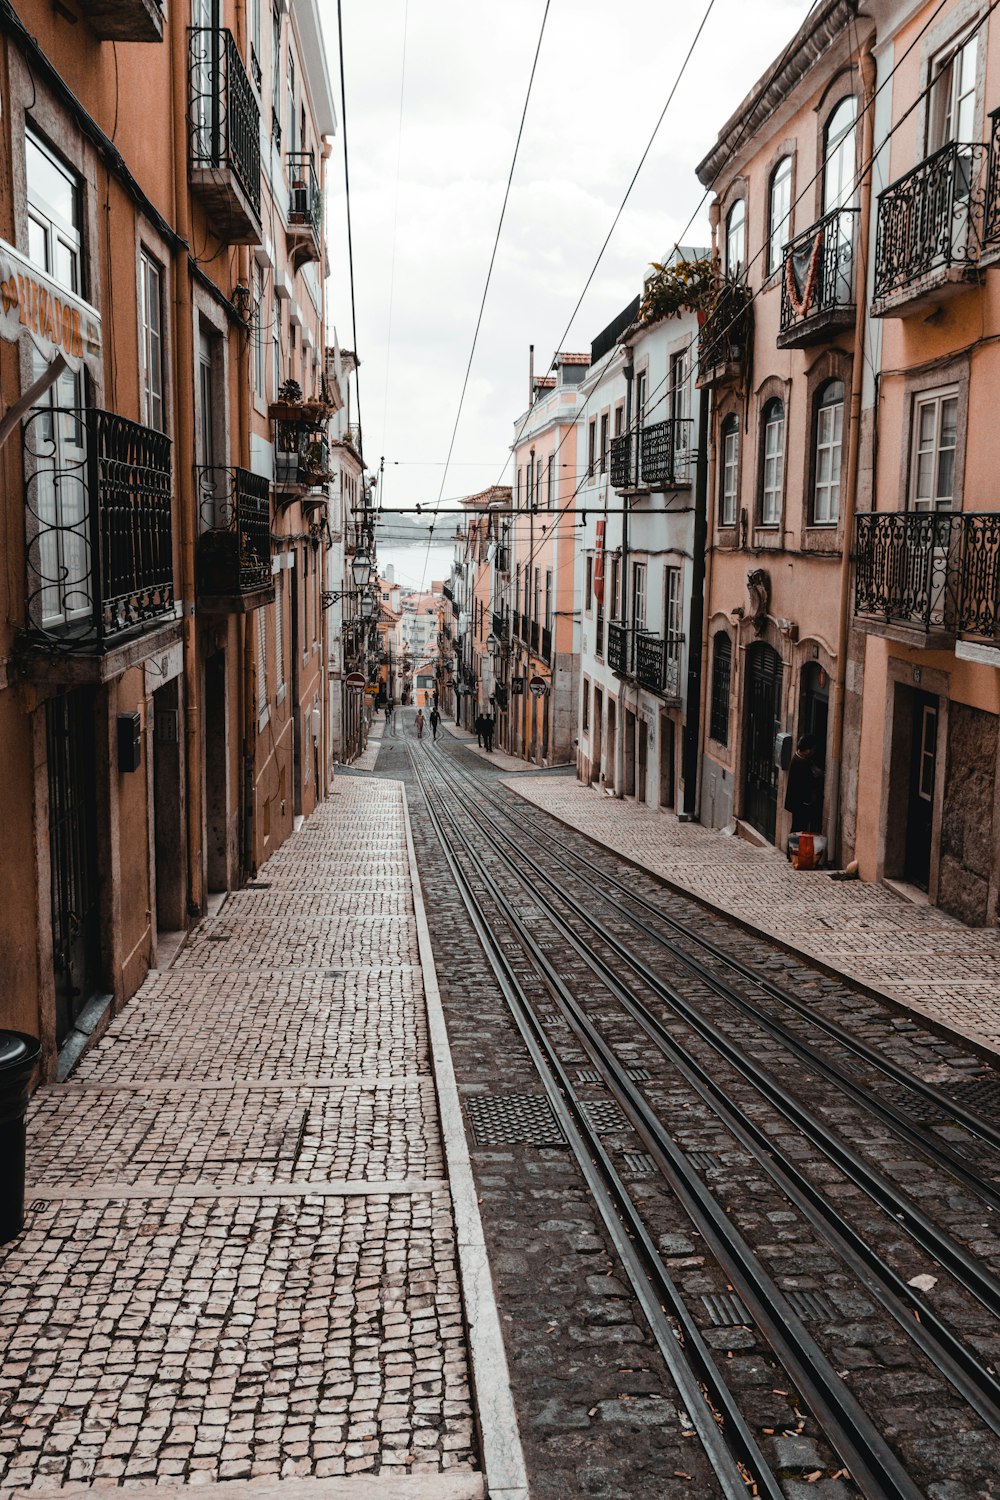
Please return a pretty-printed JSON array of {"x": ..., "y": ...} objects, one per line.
[
  {"x": 817, "y": 281},
  {"x": 666, "y": 454},
  {"x": 546, "y": 645},
  {"x": 979, "y": 577},
  {"x": 929, "y": 227},
  {"x": 301, "y": 456},
  {"x": 617, "y": 655},
  {"x": 99, "y": 536},
  {"x": 125, "y": 20},
  {"x": 725, "y": 334},
  {"x": 622, "y": 477},
  {"x": 223, "y": 135},
  {"x": 658, "y": 663},
  {"x": 305, "y": 206},
  {"x": 499, "y": 626},
  {"x": 234, "y": 548},
  {"x": 991, "y": 216}
]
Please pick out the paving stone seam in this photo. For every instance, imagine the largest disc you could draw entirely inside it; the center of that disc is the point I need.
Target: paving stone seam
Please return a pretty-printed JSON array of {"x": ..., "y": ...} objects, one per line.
[
  {"x": 203, "y": 1188},
  {"x": 503, "y": 1458},
  {"x": 353, "y": 1080}
]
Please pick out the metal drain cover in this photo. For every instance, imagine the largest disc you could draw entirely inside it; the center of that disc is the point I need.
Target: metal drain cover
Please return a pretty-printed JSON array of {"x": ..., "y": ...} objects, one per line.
[
  {"x": 506, "y": 1119},
  {"x": 702, "y": 1160},
  {"x": 981, "y": 1094},
  {"x": 638, "y": 1075},
  {"x": 726, "y": 1310},
  {"x": 811, "y": 1307},
  {"x": 639, "y": 1163},
  {"x": 605, "y": 1116}
]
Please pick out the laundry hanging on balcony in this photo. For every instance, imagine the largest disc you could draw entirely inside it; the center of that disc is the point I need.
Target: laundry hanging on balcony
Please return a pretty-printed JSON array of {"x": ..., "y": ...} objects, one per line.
[{"x": 802, "y": 265}]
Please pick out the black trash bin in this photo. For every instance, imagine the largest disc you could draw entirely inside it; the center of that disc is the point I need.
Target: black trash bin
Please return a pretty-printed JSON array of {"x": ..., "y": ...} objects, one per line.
[{"x": 19, "y": 1054}]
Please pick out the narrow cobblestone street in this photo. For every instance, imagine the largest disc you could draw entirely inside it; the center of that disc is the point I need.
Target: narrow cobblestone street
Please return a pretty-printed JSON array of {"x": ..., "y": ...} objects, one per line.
[{"x": 241, "y": 1259}]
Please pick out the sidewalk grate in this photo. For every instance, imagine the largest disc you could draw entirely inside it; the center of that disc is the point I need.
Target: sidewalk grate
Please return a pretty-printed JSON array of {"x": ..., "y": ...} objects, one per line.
[
  {"x": 726, "y": 1310},
  {"x": 509, "y": 1119},
  {"x": 981, "y": 1094},
  {"x": 605, "y": 1116},
  {"x": 638, "y": 1075},
  {"x": 811, "y": 1307},
  {"x": 588, "y": 1075},
  {"x": 639, "y": 1163},
  {"x": 703, "y": 1160}
]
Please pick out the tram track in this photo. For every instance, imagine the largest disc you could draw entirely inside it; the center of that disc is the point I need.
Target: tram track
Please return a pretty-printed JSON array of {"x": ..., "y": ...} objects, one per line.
[{"x": 851, "y": 1434}]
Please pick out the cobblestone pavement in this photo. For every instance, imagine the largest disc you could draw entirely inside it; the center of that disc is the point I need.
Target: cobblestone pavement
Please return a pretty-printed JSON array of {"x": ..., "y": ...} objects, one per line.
[
  {"x": 915, "y": 955},
  {"x": 499, "y": 759},
  {"x": 240, "y": 1258}
]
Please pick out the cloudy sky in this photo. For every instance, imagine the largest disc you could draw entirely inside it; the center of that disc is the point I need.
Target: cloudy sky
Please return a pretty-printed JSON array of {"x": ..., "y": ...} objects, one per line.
[{"x": 427, "y": 186}]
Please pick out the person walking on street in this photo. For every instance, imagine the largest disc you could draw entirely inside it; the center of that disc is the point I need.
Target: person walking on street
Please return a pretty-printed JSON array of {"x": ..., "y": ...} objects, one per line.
[
  {"x": 390, "y": 717},
  {"x": 435, "y": 721},
  {"x": 480, "y": 721},
  {"x": 419, "y": 722},
  {"x": 488, "y": 727},
  {"x": 804, "y": 787}
]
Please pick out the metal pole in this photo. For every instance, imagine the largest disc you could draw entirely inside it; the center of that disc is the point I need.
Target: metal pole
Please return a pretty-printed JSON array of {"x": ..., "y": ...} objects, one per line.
[{"x": 692, "y": 715}]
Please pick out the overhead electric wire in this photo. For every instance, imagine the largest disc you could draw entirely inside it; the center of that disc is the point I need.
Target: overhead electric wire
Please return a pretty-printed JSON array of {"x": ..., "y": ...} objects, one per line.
[{"x": 493, "y": 256}]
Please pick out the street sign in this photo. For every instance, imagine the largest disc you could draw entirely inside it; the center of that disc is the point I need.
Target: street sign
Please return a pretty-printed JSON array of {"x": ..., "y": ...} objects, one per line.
[
  {"x": 516, "y": 687},
  {"x": 539, "y": 687},
  {"x": 355, "y": 681}
]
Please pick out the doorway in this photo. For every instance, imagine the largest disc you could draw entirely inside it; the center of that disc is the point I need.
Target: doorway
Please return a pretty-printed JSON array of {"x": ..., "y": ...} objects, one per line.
[
  {"x": 609, "y": 759},
  {"x": 814, "y": 707},
  {"x": 297, "y": 766},
  {"x": 923, "y": 773},
  {"x": 629, "y": 748},
  {"x": 667, "y": 761},
  {"x": 640, "y": 789},
  {"x": 168, "y": 810},
  {"x": 597, "y": 720},
  {"x": 76, "y": 946},
  {"x": 216, "y": 779},
  {"x": 762, "y": 723}
]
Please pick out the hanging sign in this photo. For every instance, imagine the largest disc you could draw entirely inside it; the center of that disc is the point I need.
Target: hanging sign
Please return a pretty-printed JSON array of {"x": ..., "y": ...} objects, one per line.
[
  {"x": 355, "y": 681},
  {"x": 599, "y": 564},
  {"x": 539, "y": 687},
  {"x": 57, "y": 320}
]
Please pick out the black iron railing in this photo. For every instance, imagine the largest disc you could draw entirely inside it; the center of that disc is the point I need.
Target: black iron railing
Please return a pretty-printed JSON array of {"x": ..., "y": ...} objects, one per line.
[
  {"x": 658, "y": 663},
  {"x": 223, "y": 118},
  {"x": 666, "y": 453},
  {"x": 930, "y": 218},
  {"x": 234, "y": 548},
  {"x": 301, "y": 454},
  {"x": 546, "y": 647},
  {"x": 617, "y": 655},
  {"x": 725, "y": 334},
  {"x": 499, "y": 626},
  {"x": 979, "y": 577},
  {"x": 305, "y": 200},
  {"x": 622, "y": 477},
  {"x": 907, "y": 568},
  {"x": 991, "y": 215},
  {"x": 99, "y": 538},
  {"x": 817, "y": 273}
]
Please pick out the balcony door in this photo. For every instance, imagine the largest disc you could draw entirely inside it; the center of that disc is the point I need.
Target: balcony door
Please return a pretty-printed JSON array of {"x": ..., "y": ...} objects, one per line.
[
  {"x": 762, "y": 722},
  {"x": 207, "y": 105},
  {"x": 923, "y": 774},
  {"x": 951, "y": 121},
  {"x": 75, "y": 910},
  {"x": 840, "y": 192}
]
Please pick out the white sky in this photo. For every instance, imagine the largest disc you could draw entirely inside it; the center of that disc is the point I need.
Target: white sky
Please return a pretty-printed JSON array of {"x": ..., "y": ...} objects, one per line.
[{"x": 604, "y": 73}]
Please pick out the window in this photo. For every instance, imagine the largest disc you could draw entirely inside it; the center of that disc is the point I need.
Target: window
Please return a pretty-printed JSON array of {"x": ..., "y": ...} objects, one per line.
[
  {"x": 640, "y": 397},
  {"x": 773, "y": 465},
  {"x": 261, "y": 662},
  {"x": 292, "y": 142},
  {"x": 604, "y": 443},
  {"x": 829, "y": 440},
  {"x": 934, "y": 444},
  {"x": 548, "y": 598},
  {"x": 518, "y": 501},
  {"x": 585, "y": 716},
  {"x": 680, "y": 411},
  {"x": 613, "y": 597},
  {"x": 551, "y": 497},
  {"x": 279, "y": 636},
  {"x": 722, "y": 669},
  {"x": 839, "y": 157},
  {"x": 537, "y": 596},
  {"x": 952, "y": 114},
  {"x": 736, "y": 238},
  {"x": 275, "y": 363},
  {"x": 591, "y": 447},
  {"x": 639, "y": 595},
  {"x": 253, "y": 28},
  {"x": 619, "y": 420},
  {"x": 780, "y": 211},
  {"x": 259, "y": 356},
  {"x": 151, "y": 328},
  {"x": 538, "y": 484},
  {"x": 588, "y": 588},
  {"x": 54, "y": 214},
  {"x": 673, "y": 618},
  {"x": 730, "y": 471}
]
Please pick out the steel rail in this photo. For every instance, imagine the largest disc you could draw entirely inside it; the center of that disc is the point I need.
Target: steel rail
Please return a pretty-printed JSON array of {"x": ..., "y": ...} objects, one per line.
[
  {"x": 853, "y": 1436},
  {"x": 889, "y": 1113},
  {"x": 731, "y": 1449},
  {"x": 937, "y": 1340}
]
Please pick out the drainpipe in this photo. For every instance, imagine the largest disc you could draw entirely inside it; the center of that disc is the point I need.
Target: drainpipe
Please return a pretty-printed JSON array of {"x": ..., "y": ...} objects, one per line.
[
  {"x": 623, "y": 585},
  {"x": 866, "y": 64},
  {"x": 187, "y": 494},
  {"x": 692, "y": 714}
]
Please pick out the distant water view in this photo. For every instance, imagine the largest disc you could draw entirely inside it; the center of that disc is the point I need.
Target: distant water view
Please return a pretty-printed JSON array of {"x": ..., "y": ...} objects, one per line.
[{"x": 416, "y": 563}]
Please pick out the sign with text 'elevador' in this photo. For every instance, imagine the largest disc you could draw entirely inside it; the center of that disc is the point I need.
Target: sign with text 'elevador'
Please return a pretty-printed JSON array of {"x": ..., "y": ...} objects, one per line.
[{"x": 56, "y": 319}]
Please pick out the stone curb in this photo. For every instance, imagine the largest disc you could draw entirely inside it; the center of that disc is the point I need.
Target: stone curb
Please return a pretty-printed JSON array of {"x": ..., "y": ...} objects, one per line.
[{"x": 503, "y": 1459}]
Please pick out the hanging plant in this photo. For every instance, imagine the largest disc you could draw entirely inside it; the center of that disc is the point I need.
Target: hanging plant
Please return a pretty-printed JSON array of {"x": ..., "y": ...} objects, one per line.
[{"x": 684, "y": 286}]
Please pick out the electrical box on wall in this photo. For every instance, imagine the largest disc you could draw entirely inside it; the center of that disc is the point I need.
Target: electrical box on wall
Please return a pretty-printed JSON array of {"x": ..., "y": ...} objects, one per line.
[
  {"x": 782, "y": 751},
  {"x": 129, "y": 742}
]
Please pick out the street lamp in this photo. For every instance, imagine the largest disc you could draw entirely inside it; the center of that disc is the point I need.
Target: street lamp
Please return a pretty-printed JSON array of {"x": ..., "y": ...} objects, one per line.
[{"x": 362, "y": 568}]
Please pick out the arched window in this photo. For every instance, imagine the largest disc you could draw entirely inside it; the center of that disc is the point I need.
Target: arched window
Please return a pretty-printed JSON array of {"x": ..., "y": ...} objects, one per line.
[
  {"x": 722, "y": 673},
  {"x": 736, "y": 238},
  {"x": 729, "y": 471},
  {"x": 772, "y": 471},
  {"x": 840, "y": 157},
  {"x": 828, "y": 446},
  {"x": 779, "y": 221}
]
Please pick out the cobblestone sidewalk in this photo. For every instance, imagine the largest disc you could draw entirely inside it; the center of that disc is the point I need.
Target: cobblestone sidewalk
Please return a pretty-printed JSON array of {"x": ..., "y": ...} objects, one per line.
[
  {"x": 915, "y": 955},
  {"x": 240, "y": 1260},
  {"x": 497, "y": 758}
]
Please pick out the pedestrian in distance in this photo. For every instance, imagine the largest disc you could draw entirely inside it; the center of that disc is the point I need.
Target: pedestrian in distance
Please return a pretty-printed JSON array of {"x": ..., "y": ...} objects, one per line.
[
  {"x": 389, "y": 719},
  {"x": 435, "y": 721},
  {"x": 804, "y": 787},
  {"x": 480, "y": 721},
  {"x": 488, "y": 727},
  {"x": 419, "y": 723}
]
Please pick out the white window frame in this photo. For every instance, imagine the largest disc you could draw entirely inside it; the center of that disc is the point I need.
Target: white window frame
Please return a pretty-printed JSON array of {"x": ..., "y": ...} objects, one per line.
[
  {"x": 953, "y": 91},
  {"x": 262, "y": 707},
  {"x": 780, "y": 212},
  {"x": 828, "y": 453},
  {"x": 259, "y": 357},
  {"x": 772, "y": 473},
  {"x": 151, "y": 341},
  {"x": 736, "y": 238},
  {"x": 639, "y": 595},
  {"x": 729, "y": 498},
  {"x": 932, "y": 401},
  {"x": 673, "y": 607}
]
